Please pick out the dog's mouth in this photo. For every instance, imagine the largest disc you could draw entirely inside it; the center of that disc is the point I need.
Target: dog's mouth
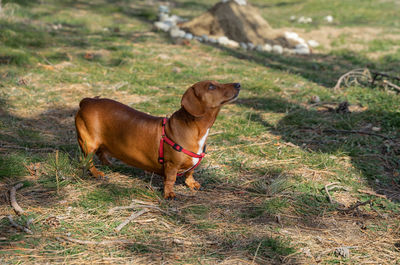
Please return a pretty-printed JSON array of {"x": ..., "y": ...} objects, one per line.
[{"x": 231, "y": 99}]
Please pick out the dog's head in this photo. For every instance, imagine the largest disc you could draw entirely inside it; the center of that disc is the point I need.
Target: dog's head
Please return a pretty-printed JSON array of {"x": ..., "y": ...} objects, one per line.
[{"x": 208, "y": 95}]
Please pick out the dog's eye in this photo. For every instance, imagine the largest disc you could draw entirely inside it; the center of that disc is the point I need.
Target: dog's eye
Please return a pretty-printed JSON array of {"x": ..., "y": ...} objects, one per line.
[{"x": 211, "y": 87}]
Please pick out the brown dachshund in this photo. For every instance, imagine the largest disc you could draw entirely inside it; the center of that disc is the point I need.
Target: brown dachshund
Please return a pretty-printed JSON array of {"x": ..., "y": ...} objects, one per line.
[{"x": 108, "y": 128}]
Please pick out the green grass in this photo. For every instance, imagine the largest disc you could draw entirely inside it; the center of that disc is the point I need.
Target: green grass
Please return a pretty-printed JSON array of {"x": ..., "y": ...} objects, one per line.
[
  {"x": 269, "y": 153},
  {"x": 271, "y": 247}
]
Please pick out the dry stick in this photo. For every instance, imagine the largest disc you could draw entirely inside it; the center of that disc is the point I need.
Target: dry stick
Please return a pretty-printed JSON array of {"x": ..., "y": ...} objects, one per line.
[
  {"x": 112, "y": 210},
  {"x": 395, "y": 87},
  {"x": 372, "y": 193},
  {"x": 20, "y": 227},
  {"x": 95, "y": 243},
  {"x": 327, "y": 190},
  {"x": 18, "y": 210},
  {"x": 330, "y": 186},
  {"x": 354, "y": 206},
  {"x": 58, "y": 184},
  {"x": 134, "y": 206},
  {"x": 352, "y": 72},
  {"x": 130, "y": 218},
  {"x": 255, "y": 254}
]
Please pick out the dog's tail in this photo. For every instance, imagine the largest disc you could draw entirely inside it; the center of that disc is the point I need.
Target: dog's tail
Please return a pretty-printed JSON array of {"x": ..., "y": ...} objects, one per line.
[{"x": 86, "y": 100}]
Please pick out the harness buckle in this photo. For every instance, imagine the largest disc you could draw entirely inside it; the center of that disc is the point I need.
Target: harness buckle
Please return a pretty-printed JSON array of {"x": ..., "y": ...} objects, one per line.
[
  {"x": 177, "y": 147},
  {"x": 161, "y": 160}
]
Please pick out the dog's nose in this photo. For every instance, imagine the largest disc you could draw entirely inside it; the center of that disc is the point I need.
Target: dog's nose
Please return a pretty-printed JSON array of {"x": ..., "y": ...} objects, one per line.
[{"x": 236, "y": 85}]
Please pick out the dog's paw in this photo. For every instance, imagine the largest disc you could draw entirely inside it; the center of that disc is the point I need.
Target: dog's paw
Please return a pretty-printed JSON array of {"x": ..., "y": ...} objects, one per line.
[
  {"x": 169, "y": 195},
  {"x": 196, "y": 185},
  {"x": 193, "y": 185}
]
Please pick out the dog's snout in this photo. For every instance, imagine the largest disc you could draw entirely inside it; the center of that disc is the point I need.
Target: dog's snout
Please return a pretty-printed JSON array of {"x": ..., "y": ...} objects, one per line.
[{"x": 236, "y": 85}]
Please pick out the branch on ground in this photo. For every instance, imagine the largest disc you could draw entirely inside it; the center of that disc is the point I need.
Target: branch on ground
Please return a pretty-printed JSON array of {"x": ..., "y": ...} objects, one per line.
[
  {"x": 330, "y": 186},
  {"x": 18, "y": 210},
  {"x": 19, "y": 227},
  {"x": 131, "y": 218}
]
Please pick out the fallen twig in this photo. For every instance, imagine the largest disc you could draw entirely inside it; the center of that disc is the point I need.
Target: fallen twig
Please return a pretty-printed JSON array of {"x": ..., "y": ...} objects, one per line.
[
  {"x": 141, "y": 204},
  {"x": 330, "y": 186},
  {"x": 372, "y": 193},
  {"x": 395, "y": 87},
  {"x": 112, "y": 210},
  {"x": 130, "y": 218},
  {"x": 255, "y": 254},
  {"x": 19, "y": 227},
  {"x": 354, "y": 206},
  {"x": 18, "y": 210},
  {"x": 89, "y": 242},
  {"x": 361, "y": 72},
  {"x": 327, "y": 187}
]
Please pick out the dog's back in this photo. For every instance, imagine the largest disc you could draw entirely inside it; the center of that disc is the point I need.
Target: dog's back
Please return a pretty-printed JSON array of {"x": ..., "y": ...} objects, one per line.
[{"x": 100, "y": 118}]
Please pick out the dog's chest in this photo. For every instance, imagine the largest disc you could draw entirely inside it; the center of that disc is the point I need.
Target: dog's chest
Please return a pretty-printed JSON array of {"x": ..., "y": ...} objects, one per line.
[{"x": 200, "y": 143}]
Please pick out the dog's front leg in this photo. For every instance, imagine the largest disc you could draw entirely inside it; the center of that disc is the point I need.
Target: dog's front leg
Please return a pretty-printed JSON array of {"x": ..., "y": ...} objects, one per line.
[{"x": 170, "y": 172}]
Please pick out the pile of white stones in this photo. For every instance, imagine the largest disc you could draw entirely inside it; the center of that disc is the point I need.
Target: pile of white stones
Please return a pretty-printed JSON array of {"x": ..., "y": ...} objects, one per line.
[{"x": 169, "y": 23}]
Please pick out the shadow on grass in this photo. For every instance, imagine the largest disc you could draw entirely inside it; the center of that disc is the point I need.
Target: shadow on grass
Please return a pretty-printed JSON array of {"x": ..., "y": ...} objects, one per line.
[{"x": 376, "y": 156}]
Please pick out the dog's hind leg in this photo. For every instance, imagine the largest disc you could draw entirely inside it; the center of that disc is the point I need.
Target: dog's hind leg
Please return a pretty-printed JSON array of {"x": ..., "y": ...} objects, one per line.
[
  {"x": 102, "y": 155},
  {"x": 88, "y": 146}
]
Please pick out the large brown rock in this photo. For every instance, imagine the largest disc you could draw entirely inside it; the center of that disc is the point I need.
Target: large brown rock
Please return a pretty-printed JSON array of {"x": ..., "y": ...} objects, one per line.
[{"x": 242, "y": 23}]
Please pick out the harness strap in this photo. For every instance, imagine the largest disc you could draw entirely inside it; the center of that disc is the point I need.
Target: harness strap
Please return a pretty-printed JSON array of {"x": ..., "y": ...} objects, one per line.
[{"x": 178, "y": 148}]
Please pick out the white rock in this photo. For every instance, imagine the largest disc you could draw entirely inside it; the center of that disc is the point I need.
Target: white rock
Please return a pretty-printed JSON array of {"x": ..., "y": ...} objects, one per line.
[
  {"x": 204, "y": 37},
  {"x": 267, "y": 48},
  {"x": 251, "y": 46},
  {"x": 293, "y": 38},
  {"x": 291, "y": 35},
  {"x": 177, "y": 33},
  {"x": 328, "y": 19},
  {"x": 241, "y": 2},
  {"x": 163, "y": 9},
  {"x": 162, "y": 26},
  {"x": 313, "y": 43},
  {"x": 304, "y": 20},
  {"x": 232, "y": 44},
  {"x": 223, "y": 40},
  {"x": 288, "y": 51},
  {"x": 302, "y": 49},
  {"x": 188, "y": 36},
  {"x": 163, "y": 17},
  {"x": 198, "y": 38},
  {"x": 277, "y": 49},
  {"x": 259, "y": 48},
  {"x": 212, "y": 40},
  {"x": 174, "y": 18},
  {"x": 243, "y": 45},
  {"x": 292, "y": 18}
]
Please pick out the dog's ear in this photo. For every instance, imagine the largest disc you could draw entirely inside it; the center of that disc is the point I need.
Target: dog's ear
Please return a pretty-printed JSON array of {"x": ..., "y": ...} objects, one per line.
[{"x": 192, "y": 104}]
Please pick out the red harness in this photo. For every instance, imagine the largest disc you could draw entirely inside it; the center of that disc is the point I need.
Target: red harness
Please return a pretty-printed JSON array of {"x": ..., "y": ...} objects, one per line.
[{"x": 178, "y": 148}]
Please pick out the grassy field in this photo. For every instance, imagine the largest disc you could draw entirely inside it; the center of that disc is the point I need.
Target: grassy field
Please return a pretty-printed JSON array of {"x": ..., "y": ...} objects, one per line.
[{"x": 270, "y": 154}]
